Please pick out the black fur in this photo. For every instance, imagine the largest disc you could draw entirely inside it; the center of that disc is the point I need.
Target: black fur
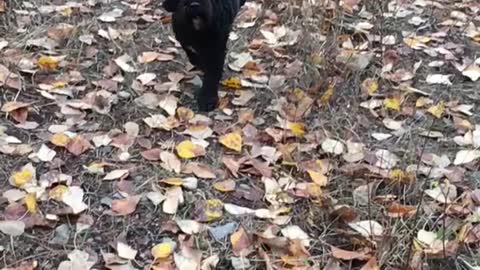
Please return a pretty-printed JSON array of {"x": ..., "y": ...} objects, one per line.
[{"x": 202, "y": 27}]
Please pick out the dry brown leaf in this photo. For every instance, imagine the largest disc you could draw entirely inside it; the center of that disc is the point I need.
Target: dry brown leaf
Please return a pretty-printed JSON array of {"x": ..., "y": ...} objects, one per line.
[
  {"x": 396, "y": 210},
  {"x": 200, "y": 170},
  {"x": 225, "y": 186},
  {"x": 240, "y": 242},
  {"x": 349, "y": 255},
  {"x": 125, "y": 206},
  {"x": 78, "y": 145},
  {"x": 152, "y": 154}
]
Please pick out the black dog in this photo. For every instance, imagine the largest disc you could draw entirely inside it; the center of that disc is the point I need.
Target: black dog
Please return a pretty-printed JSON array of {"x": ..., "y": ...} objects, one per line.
[{"x": 202, "y": 27}]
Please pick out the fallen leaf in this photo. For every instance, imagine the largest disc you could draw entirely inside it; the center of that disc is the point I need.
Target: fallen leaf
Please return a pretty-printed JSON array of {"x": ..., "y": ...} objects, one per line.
[
  {"x": 60, "y": 139},
  {"x": 200, "y": 170},
  {"x": 369, "y": 86},
  {"x": 156, "y": 197},
  {"x": 111, "y": 16},
  {"x": 439, "y": 79},
  {"x": 189, "y": 226},
  {"x": 73, "y": 197},
  {"x": 443, "y": 193},
  {"x": 367, "y": 228},
  {"x": 332, "y": 146},
  {"x": 187, "y": 149},
  {"x": 12, "y": 227},
  {"x": 187, "y": 259},
  {"x": 208, "y": 210},
  {"x": 225, "y": 186},
  {"x": 170, "y": 161},
  {"x": 232, "y": 141},
  {"x": 396, "y": 210},
  {"x": 46, "y": 154},
  {"x": 31, "y": 203},
  {"x": 240, "y": 242},
  {"x": 294, "y": 232},
  {"x": 125, "y": 251},
  {"x": 78, "y": 259},
  {"x": 318, "y": 178},
  {"x": 371, "y": 265},
  {"x": 122, "y": 62},
  {"x": 152, "y": 154},
  {"x": 472, "y": 72},
  {"x": 13, "y": 106},
  {"x": 233, "y": 83},
  {"x": 169, "y": 104},
  {"x": 174, "y": 197},
  {"x": 116, "y": 174},
  {"x": 26, "y": 175},
  {"x": 386, "y": 159},
  {"x": 163, "y": 250},
  {"x": 437, "y": 110},
  {"x": 125, "y": 206},
  {"x": 392, "y": 103},
  {"x": 349, "y": 255},
  {"x": 466, "y": 156},
  {"x": 78, "y": 145},
  {"x": 298, "y": 129},
  {"x": 48, "y": 63}
]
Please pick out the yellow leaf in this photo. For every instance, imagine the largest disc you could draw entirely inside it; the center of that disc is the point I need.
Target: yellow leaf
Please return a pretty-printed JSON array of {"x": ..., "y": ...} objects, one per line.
[
  {"x": 422, "y": 101},
  {"x": 185, "y": 114},
  {"x": 414, "y": 42},
  {"x": 318, "y": 178},
  {"x": 400, "y": 176},
  {"x": 173, "y": 181},
  {"x": 57, "y": 192},
  {"x": 314, "y": 190},
  {"x": 31, "y": 203},
  {"x": 60, "y": 139},
  {"x": 187, "y": 149},
  {"x": 213, "y": 209},
  {"x": 298, "y": 129},
  {"x": 66, "y": 12},
  {"x": 232, "y": 141},
  {"x": 96, "y": 167},
  {"x": 325, "y": 98},
  {"x": 392, "y": 103},
  {"x": 299, "y": 94},
  {"x": 232, "y": 82},
  {"x": 47, "y": 63},
  {"x": 437, "y": 110},
  {"x": 370, "y": 86},
  {"x": 22, "y": 177},
  {"x": 59, "y": 84},
  {"x": 162, "y": 251}
]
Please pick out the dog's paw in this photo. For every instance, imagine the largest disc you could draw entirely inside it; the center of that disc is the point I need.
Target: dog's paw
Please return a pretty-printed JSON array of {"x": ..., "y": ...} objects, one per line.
[{"x": 207, "y": 103}]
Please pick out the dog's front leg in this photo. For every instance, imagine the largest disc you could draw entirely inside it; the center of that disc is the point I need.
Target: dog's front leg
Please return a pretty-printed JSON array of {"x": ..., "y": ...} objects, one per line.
[{"x": 212, "y": 64}]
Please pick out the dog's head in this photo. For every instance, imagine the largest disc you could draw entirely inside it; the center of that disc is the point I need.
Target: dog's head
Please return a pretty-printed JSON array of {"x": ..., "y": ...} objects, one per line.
[{"x": 200, "y": 12}]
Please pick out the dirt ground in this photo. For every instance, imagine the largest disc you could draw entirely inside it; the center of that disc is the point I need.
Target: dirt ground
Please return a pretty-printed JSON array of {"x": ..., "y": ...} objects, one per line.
[{"x": 313, "y": 63}]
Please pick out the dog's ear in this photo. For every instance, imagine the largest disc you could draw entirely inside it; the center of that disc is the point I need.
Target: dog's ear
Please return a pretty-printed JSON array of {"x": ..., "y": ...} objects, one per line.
[{"x": 170, "y": 5}]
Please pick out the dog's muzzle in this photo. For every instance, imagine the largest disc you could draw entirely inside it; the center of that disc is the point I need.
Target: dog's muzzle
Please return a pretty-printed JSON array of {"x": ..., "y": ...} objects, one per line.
[{"x": 194, "y": 8}]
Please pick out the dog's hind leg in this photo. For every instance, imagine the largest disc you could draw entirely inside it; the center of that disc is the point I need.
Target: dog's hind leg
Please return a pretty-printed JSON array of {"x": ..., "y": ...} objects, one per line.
[{"x": 212, "y": 63}]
